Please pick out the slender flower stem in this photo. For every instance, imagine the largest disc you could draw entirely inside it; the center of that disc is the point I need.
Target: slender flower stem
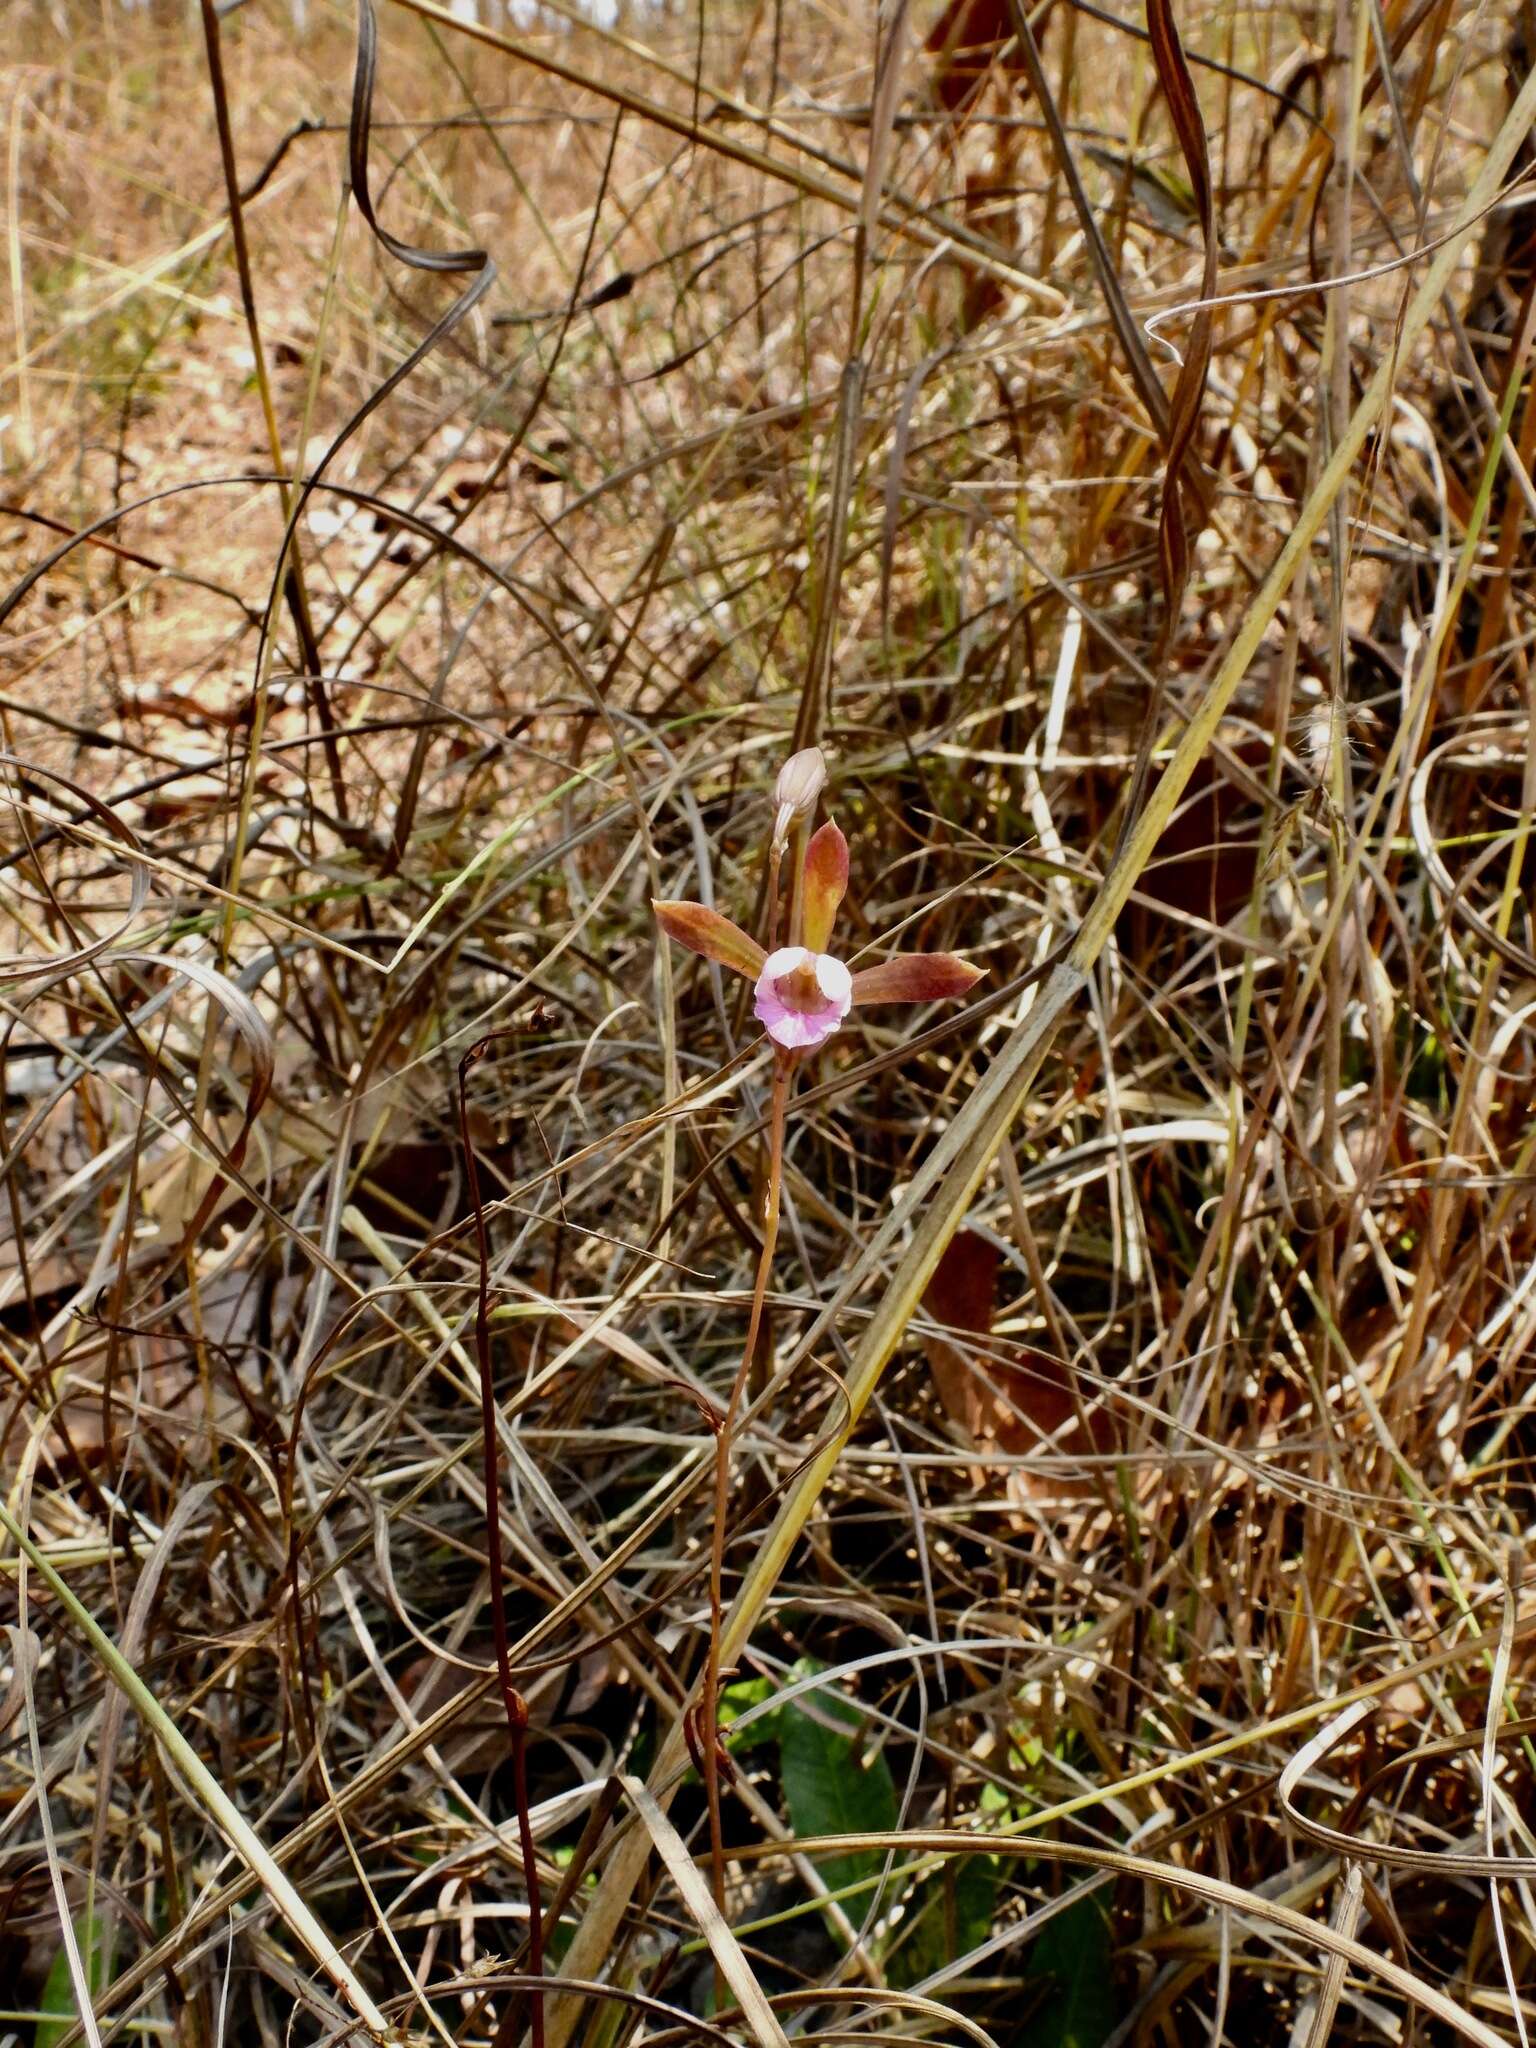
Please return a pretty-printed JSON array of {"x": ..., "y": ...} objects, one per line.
[{"x": 709, "y": 1698}]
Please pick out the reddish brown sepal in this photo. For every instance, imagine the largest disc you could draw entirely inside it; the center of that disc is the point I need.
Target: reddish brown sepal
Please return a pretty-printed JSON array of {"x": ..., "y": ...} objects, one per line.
[
  {"x": 916, "y": 978},
  {"x": 705, "y": 931},
  {"x": 826, "y": 884}
]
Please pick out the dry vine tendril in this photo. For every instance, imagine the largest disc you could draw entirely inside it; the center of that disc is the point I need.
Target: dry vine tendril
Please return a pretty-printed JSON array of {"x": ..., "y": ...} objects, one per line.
[{"x": 802, "y": 994}]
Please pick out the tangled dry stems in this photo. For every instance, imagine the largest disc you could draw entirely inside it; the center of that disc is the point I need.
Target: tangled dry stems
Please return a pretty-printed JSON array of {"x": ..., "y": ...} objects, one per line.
[{"x": 1237, "y": 1422}]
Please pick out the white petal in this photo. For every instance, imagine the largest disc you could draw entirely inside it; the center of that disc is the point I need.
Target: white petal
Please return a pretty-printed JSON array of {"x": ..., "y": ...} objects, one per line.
[
  {"x": 834, "y": 980},
  {"x": 785, "y": 961}
]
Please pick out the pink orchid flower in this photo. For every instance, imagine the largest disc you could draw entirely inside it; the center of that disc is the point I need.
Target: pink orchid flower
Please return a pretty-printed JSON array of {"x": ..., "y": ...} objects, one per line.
[{"x": 801, "y": 992}]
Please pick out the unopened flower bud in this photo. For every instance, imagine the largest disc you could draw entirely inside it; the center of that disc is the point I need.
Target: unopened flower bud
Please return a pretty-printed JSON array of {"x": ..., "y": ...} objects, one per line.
[{"x": 801, "y": 781}]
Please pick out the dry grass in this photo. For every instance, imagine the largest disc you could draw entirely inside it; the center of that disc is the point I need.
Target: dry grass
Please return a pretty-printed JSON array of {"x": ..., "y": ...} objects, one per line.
[{"x": 1214, "y": 1417}]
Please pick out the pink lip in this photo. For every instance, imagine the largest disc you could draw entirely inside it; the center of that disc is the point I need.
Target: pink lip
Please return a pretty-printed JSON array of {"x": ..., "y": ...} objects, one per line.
[{"x": 802, "y": 997}]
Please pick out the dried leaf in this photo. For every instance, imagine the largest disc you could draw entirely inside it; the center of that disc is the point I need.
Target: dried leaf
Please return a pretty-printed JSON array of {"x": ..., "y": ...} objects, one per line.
[{"x": 1011, "y": 1397}]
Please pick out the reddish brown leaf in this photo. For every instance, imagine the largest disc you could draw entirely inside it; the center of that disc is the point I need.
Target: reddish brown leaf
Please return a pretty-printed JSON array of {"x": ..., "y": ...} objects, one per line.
[{"x": 1012, "y": 1396}]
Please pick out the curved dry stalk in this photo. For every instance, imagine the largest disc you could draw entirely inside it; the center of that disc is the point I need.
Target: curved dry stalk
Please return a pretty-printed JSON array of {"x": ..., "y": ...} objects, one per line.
[{"x": 1234, "y": 1415}]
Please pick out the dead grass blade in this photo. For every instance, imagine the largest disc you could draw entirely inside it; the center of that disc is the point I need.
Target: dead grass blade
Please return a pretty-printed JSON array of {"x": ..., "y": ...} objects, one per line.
[
  {"x": 241, "y": 1837},
  {"x": 689, "y": 1879},
  {"x": 1267, "y": 1913},
  {"x": 308, "y": 799},
  {"x": 845, "y": 198},
  {"x": 1189, "y": 387},
  {"x": 943, "y": 1187}
]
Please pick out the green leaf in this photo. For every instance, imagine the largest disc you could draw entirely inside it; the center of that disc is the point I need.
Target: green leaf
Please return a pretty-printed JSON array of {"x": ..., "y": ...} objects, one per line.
[
  {"x": 830, "y": 1788},
  {"x": 58, "y": 1999},
  {"x": 928, "y": 1947},
  {"x": 1073, "y": 1959},
  {"x": 736, "y": 1699}
]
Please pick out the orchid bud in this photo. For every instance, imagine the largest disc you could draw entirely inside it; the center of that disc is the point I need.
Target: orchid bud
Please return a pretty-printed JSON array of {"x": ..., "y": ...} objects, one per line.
[{"x": 801, "y": 781}]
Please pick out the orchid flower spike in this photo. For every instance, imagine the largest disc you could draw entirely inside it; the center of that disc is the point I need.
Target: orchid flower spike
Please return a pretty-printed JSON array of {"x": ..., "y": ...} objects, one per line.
[{"x": 802, "y": 992}]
